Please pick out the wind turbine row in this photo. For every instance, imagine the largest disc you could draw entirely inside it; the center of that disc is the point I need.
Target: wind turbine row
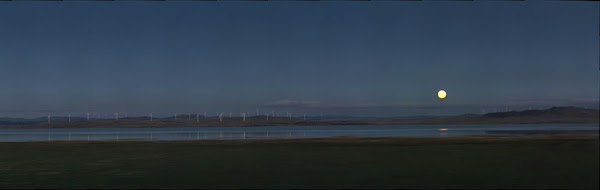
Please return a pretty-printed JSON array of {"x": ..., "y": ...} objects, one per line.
[{"x": 220, "y": 116}]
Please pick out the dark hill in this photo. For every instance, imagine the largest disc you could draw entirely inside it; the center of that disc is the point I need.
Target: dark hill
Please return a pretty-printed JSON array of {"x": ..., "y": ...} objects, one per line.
[{"x": 555, "y": 112}]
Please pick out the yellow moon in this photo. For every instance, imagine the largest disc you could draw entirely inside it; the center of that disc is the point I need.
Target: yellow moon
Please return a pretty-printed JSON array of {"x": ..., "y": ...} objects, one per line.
[{"x": 442, "y": 94}]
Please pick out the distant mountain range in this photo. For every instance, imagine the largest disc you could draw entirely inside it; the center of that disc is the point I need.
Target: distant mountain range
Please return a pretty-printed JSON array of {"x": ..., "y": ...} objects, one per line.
[{"x": 551, "y": 115}]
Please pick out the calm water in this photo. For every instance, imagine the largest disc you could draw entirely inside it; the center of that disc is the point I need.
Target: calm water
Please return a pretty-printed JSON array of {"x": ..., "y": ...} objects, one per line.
[{"x": 199, "y": 133}]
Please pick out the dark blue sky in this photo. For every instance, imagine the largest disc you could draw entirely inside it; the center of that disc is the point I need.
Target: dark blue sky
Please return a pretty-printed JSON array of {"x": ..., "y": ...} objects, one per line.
[{"x": 358, "y": 58}]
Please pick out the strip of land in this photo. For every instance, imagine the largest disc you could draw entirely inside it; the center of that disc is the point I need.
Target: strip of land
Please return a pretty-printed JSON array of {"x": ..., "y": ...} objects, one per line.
[
  {"x": 551, "y": 115},
  {"x": 564, "y": 161}
]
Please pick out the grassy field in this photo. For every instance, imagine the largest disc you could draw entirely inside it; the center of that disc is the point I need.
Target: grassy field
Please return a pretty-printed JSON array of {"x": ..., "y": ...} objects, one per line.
[{"x": 565, "y": 161}]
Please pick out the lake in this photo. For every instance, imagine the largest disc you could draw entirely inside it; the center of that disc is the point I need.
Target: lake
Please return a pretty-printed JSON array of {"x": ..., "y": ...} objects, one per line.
[{"x": 279, "y": 132}]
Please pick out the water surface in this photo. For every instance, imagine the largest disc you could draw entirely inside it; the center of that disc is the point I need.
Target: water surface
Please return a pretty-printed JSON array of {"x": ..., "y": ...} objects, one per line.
[{"x": 276, "y": 132}]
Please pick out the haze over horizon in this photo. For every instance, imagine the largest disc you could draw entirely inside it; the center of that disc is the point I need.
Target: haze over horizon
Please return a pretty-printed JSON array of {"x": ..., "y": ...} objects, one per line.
[{"x": 343, "y": 58}]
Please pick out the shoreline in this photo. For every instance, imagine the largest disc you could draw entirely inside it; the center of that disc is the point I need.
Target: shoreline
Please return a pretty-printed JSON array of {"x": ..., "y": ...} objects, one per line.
[
  {"x": 86, "y": 125},
  {"x": 345, "y": 139}
]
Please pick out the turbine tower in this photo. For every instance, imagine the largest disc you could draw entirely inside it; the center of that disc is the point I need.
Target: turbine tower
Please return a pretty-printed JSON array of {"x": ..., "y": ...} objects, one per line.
[
  {"x": 150, "y": 116},
  {"x": 221, "y": 117},
  {"x": 244, "y": 116},
  {"x": 48, "y": 118},
  {"x": 88, "y": 116},
  {"x": 69, "y": 118},
  {"x": 116, "y": 116}
]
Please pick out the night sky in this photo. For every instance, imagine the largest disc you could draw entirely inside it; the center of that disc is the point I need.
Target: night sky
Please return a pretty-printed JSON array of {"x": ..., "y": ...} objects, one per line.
[{"x": 337, "y": 58}]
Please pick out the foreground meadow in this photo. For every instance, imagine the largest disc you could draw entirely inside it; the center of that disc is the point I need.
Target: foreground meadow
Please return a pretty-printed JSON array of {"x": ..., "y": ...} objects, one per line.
[{"x": 530, "y": 161}]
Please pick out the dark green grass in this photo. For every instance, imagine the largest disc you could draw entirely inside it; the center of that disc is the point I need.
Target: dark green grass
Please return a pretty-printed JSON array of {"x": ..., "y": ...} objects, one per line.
[{"x": 486, "y": 162}]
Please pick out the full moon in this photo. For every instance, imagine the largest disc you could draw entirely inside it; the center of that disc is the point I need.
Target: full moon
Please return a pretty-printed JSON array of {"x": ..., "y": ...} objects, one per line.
[{"x": 442, "y": 94}]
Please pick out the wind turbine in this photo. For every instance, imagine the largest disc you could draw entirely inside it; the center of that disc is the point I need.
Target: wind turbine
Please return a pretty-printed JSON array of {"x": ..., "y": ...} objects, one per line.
[
  {"x": 48, "y": 118},
  {"x": 244, "y": 116},
  {"x": 69, "y": 118},
  {"x": 267, "y": 116},
  {"x": 88, "y": 116},
  {"x": 221, "y": 117},
  {"x": 150, "y": 116},
  {"x": 116, "y": 116}
]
